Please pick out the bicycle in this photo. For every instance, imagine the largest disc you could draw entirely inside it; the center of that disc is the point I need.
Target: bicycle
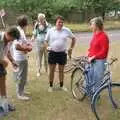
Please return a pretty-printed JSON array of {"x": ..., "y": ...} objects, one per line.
[
  {"x": 107, "y": 87},
  {"x": 73, "y": 62}
]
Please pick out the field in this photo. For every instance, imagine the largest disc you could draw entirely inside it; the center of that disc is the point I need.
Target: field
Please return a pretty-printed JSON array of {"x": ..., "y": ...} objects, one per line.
[{"x": 57, "y": 105}]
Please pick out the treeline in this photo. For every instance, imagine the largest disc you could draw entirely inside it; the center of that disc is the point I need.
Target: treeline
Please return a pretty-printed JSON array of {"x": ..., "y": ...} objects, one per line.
[{"x": 66, "y": 8}]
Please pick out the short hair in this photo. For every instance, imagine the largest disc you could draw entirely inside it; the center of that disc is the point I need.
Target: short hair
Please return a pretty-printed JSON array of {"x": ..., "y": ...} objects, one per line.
[
  {"x": 22, "y": 20},
  {"x": 13, "y": 32},
  {"x": 41, "y": 15},
  {"x": 98, "y": 21},
  {"x": 59, "y": 17}
]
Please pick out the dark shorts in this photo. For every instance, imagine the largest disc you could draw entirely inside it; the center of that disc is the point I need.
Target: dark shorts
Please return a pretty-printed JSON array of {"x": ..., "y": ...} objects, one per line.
[
  {"x": 3, "y": 72},
  {"x": 57, "y": 58}
]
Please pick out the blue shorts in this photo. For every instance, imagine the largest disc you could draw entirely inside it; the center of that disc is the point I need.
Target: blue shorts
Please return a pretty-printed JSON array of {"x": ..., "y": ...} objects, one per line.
[
  {"x": 3, "y": 72},
  {"x": 57, "y": 58}
]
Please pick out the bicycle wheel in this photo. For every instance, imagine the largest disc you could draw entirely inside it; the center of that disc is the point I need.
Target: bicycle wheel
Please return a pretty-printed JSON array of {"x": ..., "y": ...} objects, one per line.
[
  {"x": 101, "y": 103},
  {"x": 77, "y": 81}
]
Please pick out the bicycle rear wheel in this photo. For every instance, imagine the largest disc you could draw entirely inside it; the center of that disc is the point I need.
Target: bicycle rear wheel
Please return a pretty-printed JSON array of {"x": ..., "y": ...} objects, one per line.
[
  {"x": 77, "y": 81},
  {"x": 101, "y": 103}
]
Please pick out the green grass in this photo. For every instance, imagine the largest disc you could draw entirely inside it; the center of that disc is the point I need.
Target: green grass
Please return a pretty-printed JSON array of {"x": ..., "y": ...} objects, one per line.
[
  {"x": 83, "y": 27},
  {"x": 57, "y": 105}
]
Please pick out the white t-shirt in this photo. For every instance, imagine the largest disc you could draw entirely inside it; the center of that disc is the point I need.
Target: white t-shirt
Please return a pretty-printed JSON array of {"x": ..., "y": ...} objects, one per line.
[
  {"x": 58, "y": 39},
  {"x": 17, "y": 54}
]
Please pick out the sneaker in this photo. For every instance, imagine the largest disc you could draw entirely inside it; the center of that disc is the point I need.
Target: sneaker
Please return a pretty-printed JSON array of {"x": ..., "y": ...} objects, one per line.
[
  {"x": 38, "y": 75},
  {"x": 22, "y": 97},
  {"x": 64, "y": 88},
  {"x": 50, "y": 89},
  {"x": 4, "y": 105},
  {"x": 11, "y": 107}
]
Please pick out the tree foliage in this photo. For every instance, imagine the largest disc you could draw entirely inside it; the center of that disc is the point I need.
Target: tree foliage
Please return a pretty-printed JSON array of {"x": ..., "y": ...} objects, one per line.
[{"x": 63, "y": 7}]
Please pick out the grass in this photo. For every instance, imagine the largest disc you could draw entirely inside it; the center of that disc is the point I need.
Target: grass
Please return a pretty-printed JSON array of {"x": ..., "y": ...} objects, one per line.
[
  {"x": 57, "y": 105},
  {"x": 83, "y": 27}
]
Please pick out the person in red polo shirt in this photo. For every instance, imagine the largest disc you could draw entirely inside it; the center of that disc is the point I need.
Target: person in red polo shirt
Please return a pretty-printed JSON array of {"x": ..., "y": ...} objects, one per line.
[{"x": 98, "y": 51}]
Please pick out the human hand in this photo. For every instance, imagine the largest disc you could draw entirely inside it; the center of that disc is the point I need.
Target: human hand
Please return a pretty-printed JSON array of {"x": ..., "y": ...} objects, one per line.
[
  {"x": 15, "y": 67},
  {"x": 90, "y": 59},
  {"x": 29, "y": 48},
  {"x": 69, "y": 52}
]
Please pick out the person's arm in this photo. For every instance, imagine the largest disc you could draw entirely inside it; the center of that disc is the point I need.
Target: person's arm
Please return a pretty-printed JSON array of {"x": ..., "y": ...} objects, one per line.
[
  {"x": 72, "y": 37},
  {"x": 9, "y": 56},
  {"x": 33, "y": 38},
  {"x": 34, "y": 34},
  {"x": 47, "y": 38},
  {"x": 71, "y": 47},
  {"x": 22, "y": 47}
]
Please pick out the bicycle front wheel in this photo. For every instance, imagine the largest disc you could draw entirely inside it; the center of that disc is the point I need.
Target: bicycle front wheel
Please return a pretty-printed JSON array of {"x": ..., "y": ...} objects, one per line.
[
  {"x": 77, "y": 81},
  {"x": 101, "y": 103}
]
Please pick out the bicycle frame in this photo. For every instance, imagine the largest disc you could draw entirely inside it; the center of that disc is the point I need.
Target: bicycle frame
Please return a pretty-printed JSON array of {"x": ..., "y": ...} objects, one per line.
[{"x": 106, "y": 81}]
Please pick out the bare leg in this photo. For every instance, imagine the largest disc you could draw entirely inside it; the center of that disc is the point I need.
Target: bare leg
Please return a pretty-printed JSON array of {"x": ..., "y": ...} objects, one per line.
[
  {"x": 61, "y": 74},
  {"x": 51, "y": 73},
  {"x": 3, "y": 86},
  {"x": 45, "y": 61}
]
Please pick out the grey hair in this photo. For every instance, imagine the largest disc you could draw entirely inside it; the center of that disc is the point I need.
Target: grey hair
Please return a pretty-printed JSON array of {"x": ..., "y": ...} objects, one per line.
[
  {"x": 41, "y": 15},
  {"x": 98, "y": 21}
]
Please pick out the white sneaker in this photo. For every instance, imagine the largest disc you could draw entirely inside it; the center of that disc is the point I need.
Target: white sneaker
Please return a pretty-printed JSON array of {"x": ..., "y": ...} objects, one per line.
[
  {"x": 38, "y": 75},
  {"x": 26, "y": 93},
  {"x": 64, "y": 88},
  {"x": 50, "y": 89},
  {"x": 4, "y": 105},
  {"x": 22, "y": 97}
]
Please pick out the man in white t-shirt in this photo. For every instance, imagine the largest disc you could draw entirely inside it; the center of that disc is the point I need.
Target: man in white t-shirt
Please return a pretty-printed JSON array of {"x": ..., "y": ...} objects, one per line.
[
  {"x": 57, "y": 38},
  {"x": 20, "y": 49}
]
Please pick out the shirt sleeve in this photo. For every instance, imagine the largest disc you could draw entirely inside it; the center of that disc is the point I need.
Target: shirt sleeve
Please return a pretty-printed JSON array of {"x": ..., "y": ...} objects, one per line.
[{"x": 70, "y": 34}]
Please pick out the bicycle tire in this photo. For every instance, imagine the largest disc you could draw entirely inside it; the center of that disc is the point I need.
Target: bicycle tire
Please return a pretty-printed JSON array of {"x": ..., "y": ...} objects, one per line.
[
  {"x": 102, "y": 93},
  {"x": 77, "y": 80}
]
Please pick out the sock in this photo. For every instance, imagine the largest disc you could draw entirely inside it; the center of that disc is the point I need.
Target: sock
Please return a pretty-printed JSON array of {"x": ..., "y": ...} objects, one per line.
[
  {"x": 51, "y": 83},
  {"x": 61, "y": 83}
]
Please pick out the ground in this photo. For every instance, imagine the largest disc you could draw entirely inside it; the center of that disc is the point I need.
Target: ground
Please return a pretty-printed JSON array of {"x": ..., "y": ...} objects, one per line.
[{"x": 57, "y": 105}]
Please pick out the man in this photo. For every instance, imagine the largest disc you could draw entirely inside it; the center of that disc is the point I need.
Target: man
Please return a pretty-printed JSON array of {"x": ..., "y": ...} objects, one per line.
[
  {"x": 6, "y": 39},
  {"x": 57, "y": 38},
  {"x": 20, "y": 50}
]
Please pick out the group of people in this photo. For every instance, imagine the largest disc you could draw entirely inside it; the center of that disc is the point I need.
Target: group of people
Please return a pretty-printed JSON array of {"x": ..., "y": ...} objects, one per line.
[{"x": 52, "y": 43}]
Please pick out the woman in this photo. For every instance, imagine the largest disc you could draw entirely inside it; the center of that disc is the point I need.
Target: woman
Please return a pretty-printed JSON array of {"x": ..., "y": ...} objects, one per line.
[
  {"x": 20, "y": 49},
  {"x": 98, "y": 51},
  {"x": 40, "y": 30}
]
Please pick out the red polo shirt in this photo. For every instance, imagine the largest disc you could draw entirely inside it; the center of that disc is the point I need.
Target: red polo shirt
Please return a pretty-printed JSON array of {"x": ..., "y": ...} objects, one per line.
[{"x": 99, "y": 46}]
